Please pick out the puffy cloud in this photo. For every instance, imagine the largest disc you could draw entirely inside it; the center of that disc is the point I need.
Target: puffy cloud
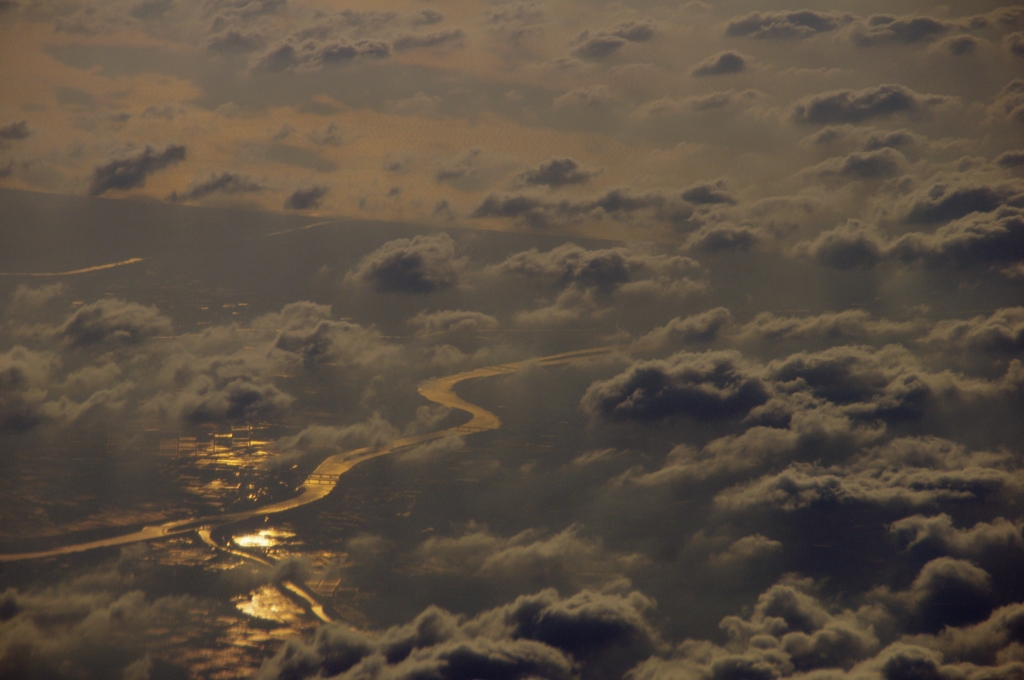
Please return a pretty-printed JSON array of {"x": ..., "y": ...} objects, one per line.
[
  {"x": 1010, "y": 159},
  {"x": 703, "y": 327},
  {"x": 1009, "y": 103},
  {"x": 979, "y": 239},
  {"x": 708, "y": 193},
  {"x": 308, "y": 335},
  {"x": 131, "y": 172},
  {"x": 557, "y": 172},
  {"x": 374, "y": 432},
  {"x": 15, "y": 131},
  {"x": 112, "y": 320},
  {"x": 235, "y": 41},
  {"x": 959, "y": 45},
  {"x": 225, "y": 183},
  {"x": 26, "y": 299},
  {"x": 539, "y": 635},
  {"x": 606, "y": 43},
  {"x": 948, "y": 201},
  {"x": 786, "y": 24},
  {"x": 702, "y": 386},
  {"x": 880, "y": 163},
  {"x": 1002, "y": 332},
  {"x": 1014, "y": 44},
  {"x": 421, "y": 265},
  {"x": 720, "y": 64},
  {"x": 416, "y": 41},
  {"x": 880, "y": 29},
  {"x": 856, "y": 106},
  {"x": 310, "y": 55},
  {"x": 451, "y": 321},
  {"x": 24, "y": 381},
  {"x": 604, "y": 270},
  {"x": 850, "y": 323},
  {"x": 616, "y": 203},
  {"x": 306, "y": 199},
  {"x": 724, "y": 237}
]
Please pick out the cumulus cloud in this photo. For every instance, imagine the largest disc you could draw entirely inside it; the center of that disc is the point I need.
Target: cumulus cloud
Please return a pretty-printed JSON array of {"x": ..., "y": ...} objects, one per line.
[
  {"x": 856, "y": 106},
  {"x": 721, "y": 64},
  {"x": 451, "y": 321},
  {"x": 786, "y": 25},
  {"x": 876, "y": 164},
  {"x": 704, "y": 386},
  {"x": 306, "y": 199},
  {"x": 421, "y": 265},
  {"x": 605, "y": 43},
  {"x": 540, "y": 213},
  {"x": 15, "y": 131},
  {"x": 557, "y": 172},
  {"x": 131, "y": 172},
  {"x": 879, "y": 29},
  {"x": 605, "y": 270},
  {"x": 414, "y": 41},
  {"x": 310, "y": 55},
  {"x": 113, "y": 321},
  {"x": 540, "y": 635},
  {"x": 225, "y": 183}
]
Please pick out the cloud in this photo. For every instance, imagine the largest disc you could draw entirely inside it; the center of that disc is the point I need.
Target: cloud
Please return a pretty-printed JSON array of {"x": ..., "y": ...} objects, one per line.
[
  {"x": 556, "y": 172},
  {"x": 1002, "y": 332},
  {"x": 856, "y": 106},
  {"x": 114, "y": 321},
  {"x": 617, "y": 203},
  {"x": 307, "y": 335},
  {"x": 24, "y": 380},
  {"x": 131, "y": 172},
  {"x": 427, "y": 40},
  {"x": 306, "y": 199},
  {"x": 850, "y": 323},
  {"x": 26, "y": 299},
  {"x": 236, "y": 42},
  {"x": 15, "y": 131},
  {"x": 312, "y": 55},
  {"x": 451, "y": 321},
  {"x": 605, "y": 43},
  {"x": 784, "y": 25},
  {"x": 1009, "y": 103},
  {"x": 720, "y": 64},
  {"x": 225, "y": 183},
  {"x": 703, "y": 327},
  {"x": 421, "y": 265},
  {"x": 724, "y": 237},
  {"x": 708, "y": 193},
  {"x": 1010, "y": 159},
  {"x": 848, "y": 246},
  {"x": 539, "y": 635},
  {"x": 604, "y": 270},
  {"x": 959, "y": 45},
  {"x": 880, "y": 29},
  {"x": 704, "y": 386},
  {"x": 881, "y": 163},
  {"x": 1014, "y": 44}
]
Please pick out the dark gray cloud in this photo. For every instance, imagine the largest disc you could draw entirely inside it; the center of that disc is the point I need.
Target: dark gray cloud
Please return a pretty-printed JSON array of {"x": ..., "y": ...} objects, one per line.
[
  {"x": 978, "y": 239},
  {"x": 880, "y": 29},
  {"x": 602, "y": 270},
  {"x": 306, "y": 199},
  {"x": 855, "y": 106},
  {"x": 703, "y": 327},
  {"x": 786, "y": 25},
  {"x": 114, "y": 321},
  {"x": 877, "y": 164},
  {"x": 847, "y": 246},
  {"x": 960, "y": 45},
  {"x": 539, "y": 635},
  {"x": 1010, "y": 159},
  {"x": 24, "y": 378},
  {"x": 150, "y": 9},
  {"x": 1014, "y": 44},
  {"x": 421, "y": 265},
  {"x": 708, "y": 193},
  {"x": 617, "y": 203},
  {"x": 307, "y": 332},
  {"x": 720, "y": 64},
  {"x": 1009, "y": 103},
  {"x": 15, "y": 131},
  {"x": 426, "y": 40},
  {"x": 605, "y": 43},
  {"x": 225, "y": 183},
  {"x": 313, "y": 55},
  {"x": 235, "y": 41},
  {"x": 557, "y": 172},
  {"x": 452, "y": 321},
  {"x": 945, "y": 201},
  {"x": 701, "y": 386},
  {"x": 724, "y": 237},
  {"x": 131, "y": 172},
  {"x": 1002, "y": 332}
]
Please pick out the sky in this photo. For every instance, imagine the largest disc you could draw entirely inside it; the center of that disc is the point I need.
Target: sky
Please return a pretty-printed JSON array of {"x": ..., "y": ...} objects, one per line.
[{"x": 796, "y": 229}]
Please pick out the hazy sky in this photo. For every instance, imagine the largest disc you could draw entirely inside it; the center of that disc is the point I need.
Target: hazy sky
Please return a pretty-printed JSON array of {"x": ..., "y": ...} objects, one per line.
[{"x": 803, "y": 223}]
